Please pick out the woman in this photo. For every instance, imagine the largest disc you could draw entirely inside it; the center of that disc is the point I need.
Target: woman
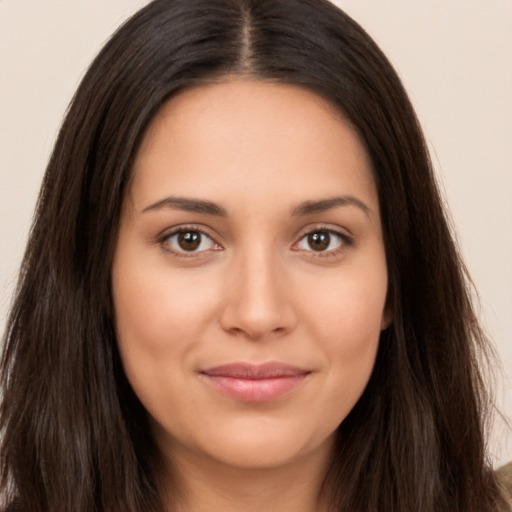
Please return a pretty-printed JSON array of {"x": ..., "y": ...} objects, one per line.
[{"x": 240, "y": 291}]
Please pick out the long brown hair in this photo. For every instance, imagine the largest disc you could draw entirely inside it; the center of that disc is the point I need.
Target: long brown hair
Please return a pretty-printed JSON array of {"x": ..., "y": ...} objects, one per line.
[{"x": 75, "y": 437}]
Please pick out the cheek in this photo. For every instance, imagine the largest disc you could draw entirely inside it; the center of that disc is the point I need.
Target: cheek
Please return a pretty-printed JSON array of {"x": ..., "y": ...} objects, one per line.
[
  {"x": 347, "y": 322},
  {"x": 352, "y": 342},
  {"x": 160, "y": 320},
  {"x": 351, "y": 349},
  {"x": 151, "y": 304},
  {"x": 349, "y": 312}
]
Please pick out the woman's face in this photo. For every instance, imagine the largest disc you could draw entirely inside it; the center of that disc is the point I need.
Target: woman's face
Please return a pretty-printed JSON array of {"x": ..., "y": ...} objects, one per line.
[{"x": 249, "y": 278}]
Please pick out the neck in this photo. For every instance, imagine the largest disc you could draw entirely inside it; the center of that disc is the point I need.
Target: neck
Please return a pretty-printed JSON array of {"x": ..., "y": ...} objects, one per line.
[{"x": 198, "y": 484}]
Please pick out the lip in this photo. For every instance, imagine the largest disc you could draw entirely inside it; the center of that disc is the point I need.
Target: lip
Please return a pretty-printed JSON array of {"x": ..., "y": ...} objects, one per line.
[{"x": 255, "y": 383}]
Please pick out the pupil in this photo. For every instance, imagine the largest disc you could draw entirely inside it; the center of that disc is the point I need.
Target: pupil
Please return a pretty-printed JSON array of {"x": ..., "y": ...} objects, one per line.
[
  {"x": 189, "y": 240},
  {"x": 319, "y": 241}
]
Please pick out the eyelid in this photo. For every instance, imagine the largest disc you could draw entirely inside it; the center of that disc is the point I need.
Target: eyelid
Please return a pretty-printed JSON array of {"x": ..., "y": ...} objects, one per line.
[
  {"x": 344, "y": 234},
  {"x": 170, "y": 232}
]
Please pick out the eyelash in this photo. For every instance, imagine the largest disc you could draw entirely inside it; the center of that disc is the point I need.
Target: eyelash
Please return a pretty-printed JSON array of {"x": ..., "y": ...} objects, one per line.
[
  {"x": 345, "y": 241},
  {"x": 164, "y": 241}
]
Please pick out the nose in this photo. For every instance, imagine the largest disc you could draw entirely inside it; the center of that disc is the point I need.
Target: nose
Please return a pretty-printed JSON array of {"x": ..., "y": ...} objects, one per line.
[{"x": 258, "y": 300}]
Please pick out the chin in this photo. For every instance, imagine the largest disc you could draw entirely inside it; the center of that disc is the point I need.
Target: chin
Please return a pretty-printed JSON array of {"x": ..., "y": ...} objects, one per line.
[{"x": 256, "y": 443}]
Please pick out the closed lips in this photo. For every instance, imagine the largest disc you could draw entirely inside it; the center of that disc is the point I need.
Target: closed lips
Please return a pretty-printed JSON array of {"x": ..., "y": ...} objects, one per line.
[{"x": 255, "y": 383}]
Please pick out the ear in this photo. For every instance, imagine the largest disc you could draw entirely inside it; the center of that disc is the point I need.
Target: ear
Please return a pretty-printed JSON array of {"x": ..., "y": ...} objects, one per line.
[{"x": 387, "y": 316}]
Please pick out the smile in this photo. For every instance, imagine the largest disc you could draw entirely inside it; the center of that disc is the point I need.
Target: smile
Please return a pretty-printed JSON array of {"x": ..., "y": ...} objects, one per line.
[{"x": 255, "y": 383}]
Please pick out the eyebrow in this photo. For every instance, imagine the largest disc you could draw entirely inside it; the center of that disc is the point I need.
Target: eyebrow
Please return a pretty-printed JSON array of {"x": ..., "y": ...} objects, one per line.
[
  {"x": 311, "y": 207},
  {"x": 211, "y": 208},
  {"x": 187, "y": 205}
]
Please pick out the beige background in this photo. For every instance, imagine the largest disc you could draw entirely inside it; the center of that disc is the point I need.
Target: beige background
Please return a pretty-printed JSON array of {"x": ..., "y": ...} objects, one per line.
[{"x": 454, "y": 57}]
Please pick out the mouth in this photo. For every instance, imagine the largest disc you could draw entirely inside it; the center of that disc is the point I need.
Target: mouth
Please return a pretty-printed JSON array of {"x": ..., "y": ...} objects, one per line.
[{"x": 255, "y": 383}]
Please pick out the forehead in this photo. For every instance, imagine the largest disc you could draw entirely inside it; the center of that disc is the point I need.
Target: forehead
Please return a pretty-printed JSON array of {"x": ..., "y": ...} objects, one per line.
[{"x": 211, "y": 138}]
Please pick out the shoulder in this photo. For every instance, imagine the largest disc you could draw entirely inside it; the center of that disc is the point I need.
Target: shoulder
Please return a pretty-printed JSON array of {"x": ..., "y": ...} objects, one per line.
[{"x": 504, "y": 476}]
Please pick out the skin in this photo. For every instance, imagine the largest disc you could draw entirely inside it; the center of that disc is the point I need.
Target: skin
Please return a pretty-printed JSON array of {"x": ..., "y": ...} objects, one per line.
[{"x": 254, "y": 290}]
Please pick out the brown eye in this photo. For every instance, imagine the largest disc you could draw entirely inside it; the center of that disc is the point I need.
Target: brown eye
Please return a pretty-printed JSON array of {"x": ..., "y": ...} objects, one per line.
[
  {"x": 189, "y": 241},
  {"x": 322, "y": 241},
  {"x": 319, "y": 241}
]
